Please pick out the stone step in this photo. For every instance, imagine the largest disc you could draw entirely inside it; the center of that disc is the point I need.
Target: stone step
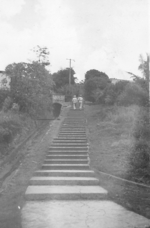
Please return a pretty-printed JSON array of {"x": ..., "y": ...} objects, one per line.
[
  {"x": 63, "y": 181},
  {"x": 73, "y": 134},
  {"x": 66, "y": 157},
  {"x": 71, "y": 138},
  {"x": 75, "y": 125},
  {"x": 69, "y": 144},
  {"x": 73, "y": 121},
  {"x": 74, "y": 150},
  {"x": 65, "y": 192},
  {"x": 69, "y": 141},
  {"x": 73, "y": 128},
  {"x": 73, "y": 117},
  {"x": 65, "y": 166},
  {"x": 72, "y": 131},
  {"x": 74, "y": 153},
  {"x": 65, "y": 161},
  {"x": 62, "y": 148},
  {"x": 65, "y": 173}
]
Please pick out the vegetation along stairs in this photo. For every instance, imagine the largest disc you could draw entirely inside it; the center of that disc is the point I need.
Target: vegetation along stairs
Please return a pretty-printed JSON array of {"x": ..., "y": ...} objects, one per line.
[{"x": 65, "y": 193}]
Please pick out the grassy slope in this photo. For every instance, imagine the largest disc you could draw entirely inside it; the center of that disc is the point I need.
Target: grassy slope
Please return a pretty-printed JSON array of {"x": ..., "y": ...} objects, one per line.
[
  {"x": 14, "y": 129},
  {"x": 111, "y": 138}
]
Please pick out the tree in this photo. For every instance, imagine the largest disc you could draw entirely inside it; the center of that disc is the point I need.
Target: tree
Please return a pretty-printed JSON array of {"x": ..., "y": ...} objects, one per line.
[
  {"x": 70, "y": 90},
  {"x": 61, "y": 78},
  {"x": 95, "y": 84},
  {"x": 144, "y": 68},
  {"x": 133, "y": 94},
  {"x": 42, "y": 54},
  {"x": 95, "y": 73},
  {"x": 30, "y": 86}
]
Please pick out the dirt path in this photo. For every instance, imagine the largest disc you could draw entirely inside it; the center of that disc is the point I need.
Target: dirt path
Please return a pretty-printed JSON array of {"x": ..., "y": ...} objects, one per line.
[{"x": 14, "y": 187}]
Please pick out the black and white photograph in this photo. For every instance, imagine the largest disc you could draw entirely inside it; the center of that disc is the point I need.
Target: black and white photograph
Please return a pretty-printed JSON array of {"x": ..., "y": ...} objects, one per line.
[{"x": 74, "y": 114}]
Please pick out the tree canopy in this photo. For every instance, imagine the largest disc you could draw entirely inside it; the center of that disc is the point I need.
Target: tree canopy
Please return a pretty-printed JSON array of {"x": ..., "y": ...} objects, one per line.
[
  {"x": 61, "y": 78},
  {"x": 95, "y": 84},
  {"x": 30, "y": 86},
  {"x": 95, "y": 73}
]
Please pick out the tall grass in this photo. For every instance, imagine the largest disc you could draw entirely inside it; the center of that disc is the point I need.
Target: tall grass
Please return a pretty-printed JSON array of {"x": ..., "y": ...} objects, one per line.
[
  {"x": 140, "y": 156},
  {"x": 123, "y": 114},
  {"x": 13, "y": 128},
  {"x": 135, "y": 121}
]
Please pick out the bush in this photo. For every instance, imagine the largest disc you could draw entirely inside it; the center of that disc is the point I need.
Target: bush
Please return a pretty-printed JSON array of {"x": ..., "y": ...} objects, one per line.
[
  {"x": 5, "y": 135},
  {"x": 140, "y": 155},
  {"x": 94, "y": 89},
  {"x": 133, "y": 94},
  {"x": 15, "y": 108},
  {"x": 30, "y": 87},
  {"x": 142, "y": 126},
  {"x": 3, "y": 95},
  {"x": 7, "y": 104}
]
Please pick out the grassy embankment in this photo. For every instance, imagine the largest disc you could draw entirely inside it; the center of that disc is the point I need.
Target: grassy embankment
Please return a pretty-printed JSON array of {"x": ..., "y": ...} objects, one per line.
[
  {"x": 114, "y": 148},
  {"x": 14, "y": 129}
]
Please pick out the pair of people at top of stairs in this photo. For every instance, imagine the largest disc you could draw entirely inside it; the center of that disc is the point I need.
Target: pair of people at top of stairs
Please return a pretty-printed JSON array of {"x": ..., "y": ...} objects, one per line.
[{"x": 77, "y": 102}]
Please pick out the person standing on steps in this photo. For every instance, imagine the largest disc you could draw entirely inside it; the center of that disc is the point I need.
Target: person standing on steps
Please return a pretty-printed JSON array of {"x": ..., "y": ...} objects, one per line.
[
  {"x": 80, "y": 100},
  {"x": 74, "y": 102}
]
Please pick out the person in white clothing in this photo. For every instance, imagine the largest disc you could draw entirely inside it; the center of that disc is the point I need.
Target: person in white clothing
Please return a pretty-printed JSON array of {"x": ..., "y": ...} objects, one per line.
[
  {"x": 74, "y": 102},
  {"x": 80, "y": 100}
]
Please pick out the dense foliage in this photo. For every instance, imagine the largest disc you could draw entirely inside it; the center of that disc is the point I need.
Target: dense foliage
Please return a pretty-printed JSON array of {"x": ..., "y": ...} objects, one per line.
[
  {"x": 95, "y": 85},
  {"x": 30, "y": 87},
  {"x": 61, "y": 78}
]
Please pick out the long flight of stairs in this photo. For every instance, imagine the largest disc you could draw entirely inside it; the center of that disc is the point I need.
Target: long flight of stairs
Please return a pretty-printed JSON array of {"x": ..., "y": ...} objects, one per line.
[
  {"x": 64, "y": 193},
  {"x": 65, "y": 173}
]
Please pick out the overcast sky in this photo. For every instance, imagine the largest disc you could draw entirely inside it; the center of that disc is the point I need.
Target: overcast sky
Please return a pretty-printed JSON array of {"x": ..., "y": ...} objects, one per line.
[{"x": 107, "y": 35}]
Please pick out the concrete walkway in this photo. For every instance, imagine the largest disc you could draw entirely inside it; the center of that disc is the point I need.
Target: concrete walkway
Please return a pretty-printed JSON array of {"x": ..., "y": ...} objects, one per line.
[{"x": 64, "y": 193}]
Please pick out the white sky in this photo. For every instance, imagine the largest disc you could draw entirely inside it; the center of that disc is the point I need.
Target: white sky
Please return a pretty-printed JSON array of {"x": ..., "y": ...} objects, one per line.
[{"x": 107, "y": 35}]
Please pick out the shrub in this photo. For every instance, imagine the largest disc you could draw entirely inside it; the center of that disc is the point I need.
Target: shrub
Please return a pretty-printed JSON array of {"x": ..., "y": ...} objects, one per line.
[
  {"x": 7, "y": 104},
  {"x": 15, "y": 108},
  {"x": 142, "y": 126},
  {"x": 30, "y": 87},
  {"x": 133, "y": 94},
  {"x": 3, "y": 94},
  {"x": 5, "y": 135},
  {"x": 140, "y": 155}
]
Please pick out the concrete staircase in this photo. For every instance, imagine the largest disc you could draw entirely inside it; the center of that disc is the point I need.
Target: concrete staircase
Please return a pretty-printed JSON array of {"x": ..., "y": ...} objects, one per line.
[
  {"x": 65, "y": 173},
  {"x": 64, "y": 193}
]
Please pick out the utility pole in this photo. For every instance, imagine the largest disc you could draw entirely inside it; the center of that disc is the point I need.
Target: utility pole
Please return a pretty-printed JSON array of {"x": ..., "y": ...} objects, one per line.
[
  {"x": 148, "y": 82},
  {"x": 148, "y": 78},
  {"x": 70, "y": 70}
]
